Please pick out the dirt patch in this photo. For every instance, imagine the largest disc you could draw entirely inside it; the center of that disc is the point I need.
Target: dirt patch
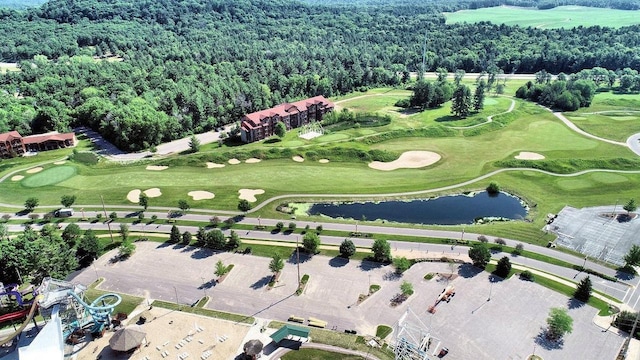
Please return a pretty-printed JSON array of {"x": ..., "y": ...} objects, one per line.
[
  {"x": 408, "y": 159},
  {"x": 201, "y": 195},
  {"x": 195, "y": 335},
  {"x": 249, "y": 194},
  {"x": 59, "y": 162},
  {"x": 525, "y": 155},
  {"x": 298, "y": 158},
  {"x": 323, "y": 161},
  {"x": 156, "y": 168},
  {"x": 234, "y": 161},
  {"x": 153, "y": 192},
  {"x": 35, "y": 170},
  {"x": 211, "y": 165},
  {"x": 17, "y": 178},
  {"x": 134, "y": 195}
]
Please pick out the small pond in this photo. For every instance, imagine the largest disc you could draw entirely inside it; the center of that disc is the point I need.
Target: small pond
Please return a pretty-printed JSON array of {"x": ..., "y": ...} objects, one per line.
[{"x": 446, "y": 210}]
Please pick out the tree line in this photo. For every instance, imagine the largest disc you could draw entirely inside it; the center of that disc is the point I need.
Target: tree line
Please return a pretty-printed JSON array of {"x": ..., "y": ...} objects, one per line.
[{"x": 144, "y": 72}]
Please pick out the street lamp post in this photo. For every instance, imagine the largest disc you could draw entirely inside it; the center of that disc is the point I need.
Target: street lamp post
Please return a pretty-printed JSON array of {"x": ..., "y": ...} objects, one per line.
[
  {"x": 298, "y": 258},
  {"x": 490, "y": 289},
  {"x": 585, "y": 263},
  {"x": 177, "y": 302}
]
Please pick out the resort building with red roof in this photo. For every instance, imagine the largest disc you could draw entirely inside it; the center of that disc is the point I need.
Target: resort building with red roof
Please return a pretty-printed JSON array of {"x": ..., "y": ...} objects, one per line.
[
  {"x": 13, "y": 144},
  {"x": 261, "y": 124}
]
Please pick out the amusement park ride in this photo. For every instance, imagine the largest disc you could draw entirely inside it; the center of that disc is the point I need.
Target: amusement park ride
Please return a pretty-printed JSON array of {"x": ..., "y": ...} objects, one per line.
[{"x": 61, "y": 302}]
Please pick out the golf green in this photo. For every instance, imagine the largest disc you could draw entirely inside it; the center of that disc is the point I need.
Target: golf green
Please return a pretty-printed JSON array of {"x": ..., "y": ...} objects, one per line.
[{"x": 49, "y": 176}]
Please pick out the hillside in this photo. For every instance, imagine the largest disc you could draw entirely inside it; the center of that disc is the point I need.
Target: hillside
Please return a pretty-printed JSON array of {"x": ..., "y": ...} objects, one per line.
[{"x": 142, "y": 72}]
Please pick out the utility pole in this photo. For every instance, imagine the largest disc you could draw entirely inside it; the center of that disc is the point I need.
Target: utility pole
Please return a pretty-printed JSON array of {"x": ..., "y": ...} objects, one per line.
[
  {"x": 108, "y": 220},
  {"x": 298, "y": 258}
]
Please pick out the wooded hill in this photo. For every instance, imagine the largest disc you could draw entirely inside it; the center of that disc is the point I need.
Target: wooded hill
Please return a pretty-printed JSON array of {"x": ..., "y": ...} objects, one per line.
[{"x": 147, "y": 71}]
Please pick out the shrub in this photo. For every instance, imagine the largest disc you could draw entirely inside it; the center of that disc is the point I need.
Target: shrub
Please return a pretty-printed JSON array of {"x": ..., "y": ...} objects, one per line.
[
  {"x": 483, "y": 239},
  {"x": 527, "y": 275},
  {"x": 500, "y": 241},
  {"x": 402, "y": 264},
  {"x": 493, "y": 188}
]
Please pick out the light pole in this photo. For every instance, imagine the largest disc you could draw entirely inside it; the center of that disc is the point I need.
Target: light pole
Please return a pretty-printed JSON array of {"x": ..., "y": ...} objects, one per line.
[
  {"x": 177, "y": 302},
  {"x": 298, "y": 258},
  {"x": 585, "y": 263},
  {"x": 490, "y": 289}
]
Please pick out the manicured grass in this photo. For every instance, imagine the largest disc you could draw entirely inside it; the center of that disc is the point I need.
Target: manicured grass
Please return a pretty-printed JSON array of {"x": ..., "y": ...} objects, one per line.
[
  {"x": 50, "y": 176},
  {"x": 382, "y": 331},
  {"x": 127, "y": 305},
  {"x": 559, "y": 17},
  {"x": 206, "y": 312},
  {"x": 346, "y": 341},
  {"x": 601, "y": 305},
  {"x": 313, "y": 354}
]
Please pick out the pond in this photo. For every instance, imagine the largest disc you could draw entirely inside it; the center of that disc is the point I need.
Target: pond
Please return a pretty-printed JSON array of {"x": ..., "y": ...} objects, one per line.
[{"x": 446, "y": 210}]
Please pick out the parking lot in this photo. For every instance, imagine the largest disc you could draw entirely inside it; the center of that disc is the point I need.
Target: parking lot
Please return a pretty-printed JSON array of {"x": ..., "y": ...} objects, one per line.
[{"x": 506, "y": 327}]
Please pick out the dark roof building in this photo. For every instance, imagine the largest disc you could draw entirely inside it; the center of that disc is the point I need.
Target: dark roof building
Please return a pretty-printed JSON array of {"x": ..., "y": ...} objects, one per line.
[{"x": 261, "y": 124}]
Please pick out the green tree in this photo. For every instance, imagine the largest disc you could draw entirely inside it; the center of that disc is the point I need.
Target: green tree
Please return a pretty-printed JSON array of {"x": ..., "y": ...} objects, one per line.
[
  {"x": 216, "y": 239},
  {"x": 221, "y": 268},
  {"x": 583, "y": 291},
  {"x": 184, "y": 205},
  {"x": 126, "y": 249},
  {"x": 279, "y": 226},
  {"x": 493, "y": 188},
  {"x": 347, "y": 248},
  {"x": 406, "y": 288},
  {"x": 276, "y": 264},
  {"x": 143, "y": 201},
  {"x": 629, "y": 207},
  {"x": 71, "y": 234},
  {"x": 88, "y": 248},
  {"x": 504, "y": 267},
  {"x": 402, "y": 264},
  {"x": 480, "y": 255},
  {"x": 234, "y": 240},
  {"x": 311, "y": 243},
  {"x": 632, "y": 258},
  {"x": 67, "y": 200},
  {"x": 31, "y": 203},
  {"x": 113, "y": 215},
  {"x": 244, "y": 205},
  {"x": 559, "y": 323},
  {"x": 174, "y": 237},
  {"x": 124, "y": 232},
  {"x": 280, "y": 129},
  {"x": 201, "y": 236},
  {"x": 381, "y": 250},
  {"x": 292, "y": 226},
  {"x": 478, "y": 96},
  {"x": 458, "y": 76},
  {"x": 194, "y": 144},
  {"x": 186, "y": 238},
  {"x": 461, "y": 101}
]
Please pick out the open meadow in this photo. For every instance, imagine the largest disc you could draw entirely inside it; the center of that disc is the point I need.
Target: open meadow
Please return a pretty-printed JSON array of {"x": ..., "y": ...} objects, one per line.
[
  {"x": 471, "y": 153},
  {"x": 559, "y": 17}
]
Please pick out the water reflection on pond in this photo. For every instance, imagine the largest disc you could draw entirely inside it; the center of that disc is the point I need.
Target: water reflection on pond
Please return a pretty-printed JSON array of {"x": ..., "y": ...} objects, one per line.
[{"x": 447, "y": 210}]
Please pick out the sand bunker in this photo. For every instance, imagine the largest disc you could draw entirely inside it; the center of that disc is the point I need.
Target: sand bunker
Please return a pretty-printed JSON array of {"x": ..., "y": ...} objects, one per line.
[
  {"x": 250, "y": 194},
  {"x": 17, "y": 178},
  {"x": 34, "y": 170},
  {"x": 59, "y": 162},
  {"x": 134, "y": 195},
  {"x": 323, "y": 161},
  {"x": 252, "y": 160},
  {"x": 211, "y": 165},
  {"x": 201, "y": 195},
  {"x": 157, "y": 168},
  {"x": 409, "y": 159},
  {"x": 153, "y": 192},
  {"x": 298, "y": 158},
  {"x": 234, "y": 161},
  {"x": 525, "y": 155}
]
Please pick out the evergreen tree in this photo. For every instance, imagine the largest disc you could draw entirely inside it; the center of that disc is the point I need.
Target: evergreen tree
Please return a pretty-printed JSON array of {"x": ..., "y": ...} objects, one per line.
[
  {"x": 478, "y": 96},
  {"x": 347, "y": 248},
  {"x": 461, "y": 101},
  {"x": 583, "y": 291},
  {"x": 175, "y": 234}
]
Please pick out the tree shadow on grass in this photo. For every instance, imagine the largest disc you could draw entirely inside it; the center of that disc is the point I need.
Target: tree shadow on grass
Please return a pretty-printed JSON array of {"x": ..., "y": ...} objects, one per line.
[
  {"x": 543, "y": 341},
  {"x": 338, "y": 262},
  {"x": 574, "y": 303},
  {"x": 468, "y": 271},
  {"x": 262, "y": 282}
]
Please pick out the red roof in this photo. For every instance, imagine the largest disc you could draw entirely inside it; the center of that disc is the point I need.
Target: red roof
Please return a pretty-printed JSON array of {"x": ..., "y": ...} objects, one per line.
[
  {"x": 252, "y": 120},
  {"x": 9, "y": 136},
  {"x": 54, "y": 136}
]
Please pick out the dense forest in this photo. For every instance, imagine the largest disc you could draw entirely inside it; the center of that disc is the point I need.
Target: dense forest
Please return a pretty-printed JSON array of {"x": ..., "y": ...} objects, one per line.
[{"x": 146, "y": 71}]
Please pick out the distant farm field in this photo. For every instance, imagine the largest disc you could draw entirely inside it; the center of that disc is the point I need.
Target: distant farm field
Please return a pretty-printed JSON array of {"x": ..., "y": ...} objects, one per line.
[{"x": 559, "y": 17}]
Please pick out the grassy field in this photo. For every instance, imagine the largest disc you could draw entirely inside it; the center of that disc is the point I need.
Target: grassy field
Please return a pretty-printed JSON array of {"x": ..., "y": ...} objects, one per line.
[
  {"x": 313, "y": 354},
  {"x": 466, "y": 154},
  {"x": 611, "y": 116},
  {"x": 559, "y": 17}
]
